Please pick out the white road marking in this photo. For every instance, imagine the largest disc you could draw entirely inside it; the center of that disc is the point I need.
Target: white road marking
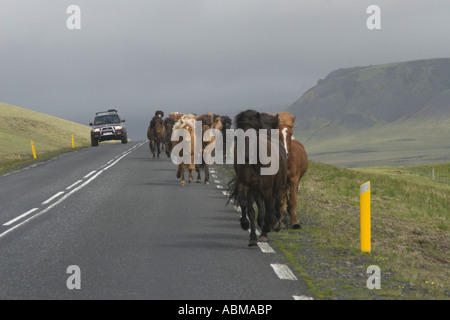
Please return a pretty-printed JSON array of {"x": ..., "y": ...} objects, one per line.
[
  {"x": 265, "y": 247},
  {"x": 21, "y": 216},
  {"x": 90, "y": 174},
  {"x": 53, "y": 197},
  {"x": 216, "y": 181},
  {"x": 283, "y": 272},
  {"x": 73, "y": 185},
  {"x": 64, "y": 197},
  {"x": 219, "y": 186},
  {"x": 302, "y": 298}
]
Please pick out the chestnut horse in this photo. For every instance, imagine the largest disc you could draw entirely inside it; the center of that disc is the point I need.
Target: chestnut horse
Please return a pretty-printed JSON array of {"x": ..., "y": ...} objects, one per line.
[
  {"x": 297, "y": 164},
  {"x": 249, "y": 185},
  {"x": 155, "y": 135}
]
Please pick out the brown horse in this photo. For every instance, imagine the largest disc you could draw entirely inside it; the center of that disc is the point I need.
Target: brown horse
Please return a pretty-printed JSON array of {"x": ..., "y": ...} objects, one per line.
[
  {"x": 167, "y": 134},
  {"x": 155, "y": 135},
  {"x": 297, "y": 164},
  {"x": 249, "y": 185}
]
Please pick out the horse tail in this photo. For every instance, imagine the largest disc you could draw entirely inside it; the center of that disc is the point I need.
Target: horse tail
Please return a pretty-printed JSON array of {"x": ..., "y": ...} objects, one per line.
[{"x": 233, "y": 190}]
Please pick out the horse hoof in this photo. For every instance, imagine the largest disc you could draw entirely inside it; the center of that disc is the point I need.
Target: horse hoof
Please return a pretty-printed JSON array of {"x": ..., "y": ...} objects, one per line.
[
  {"x": 183, "y": 183},
  {"x": 178, "y": 175},
  {"x": 199, "y": 181},
  {"x": 276, "y": 226},
  {"x": 296, "y": 226},
  {"x": 262, "y": 239},
  {"x": 245, "y": 224},
  {"x": 252, "y": 243},
  {"x": 207, "y": 182}
]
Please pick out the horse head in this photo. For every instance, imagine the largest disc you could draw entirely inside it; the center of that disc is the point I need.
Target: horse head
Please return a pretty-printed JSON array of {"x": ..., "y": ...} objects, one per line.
[
  {"x": 286, "y": 126},
  {"x": 156, "y": 125}
]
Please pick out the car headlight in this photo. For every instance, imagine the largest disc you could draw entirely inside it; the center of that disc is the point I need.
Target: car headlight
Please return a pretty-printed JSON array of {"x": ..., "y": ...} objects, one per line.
[
  {"x": 118, "y": 128},
  {"x": 96, "y": 130}
]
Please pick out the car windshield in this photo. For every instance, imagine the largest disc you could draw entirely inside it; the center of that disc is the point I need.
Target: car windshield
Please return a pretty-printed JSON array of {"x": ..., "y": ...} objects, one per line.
[{"x": 106, "y": 119}]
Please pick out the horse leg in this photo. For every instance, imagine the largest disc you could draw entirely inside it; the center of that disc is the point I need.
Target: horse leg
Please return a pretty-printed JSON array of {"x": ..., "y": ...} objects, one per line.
[
  {"x": 197, "y": 169},
  {"x": 261, "y": 210},
  {"x": 251, "y": 214},
  {"x": 206, "y": 173},
  {"x": 243, "y": 190},
  {"x": 152, "y": 147},
  {"x": 159, "y": 148},
  {"x": 167, "y": 147},
  {"x": 180, "y": 173},
  {"x": 267, "y": 221},
  {"x": 190, "y": 169},
  {"x": 271, "y": 221}
]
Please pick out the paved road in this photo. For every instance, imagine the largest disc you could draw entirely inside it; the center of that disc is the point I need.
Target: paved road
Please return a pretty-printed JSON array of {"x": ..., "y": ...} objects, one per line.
[{"x": 134, "y": 233}]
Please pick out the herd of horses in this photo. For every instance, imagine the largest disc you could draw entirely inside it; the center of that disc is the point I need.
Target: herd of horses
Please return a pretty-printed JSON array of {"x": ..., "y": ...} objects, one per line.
[{"x": 274, "y": 195}]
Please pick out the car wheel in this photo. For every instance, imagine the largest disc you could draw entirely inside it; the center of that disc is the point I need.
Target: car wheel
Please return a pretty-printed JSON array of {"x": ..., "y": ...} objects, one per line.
[{"x": 94, "y": 142}]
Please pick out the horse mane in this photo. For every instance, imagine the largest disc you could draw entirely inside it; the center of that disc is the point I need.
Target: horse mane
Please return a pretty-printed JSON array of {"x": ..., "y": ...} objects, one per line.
[
  {"x": 254, "y": 119},
  {"x": 226, "y": 121},
  {"x": 248, "y": 119},
  {"x": 187, "y": 119},
  {"x": 169, "y": 122},
  {"x": 175, "y": 115},
  {"x": 155, "y": 120},
  {"x": 269, "y": 121},
  {"x": 205, "y": 119},
  {"x": 286, "y": 119}
]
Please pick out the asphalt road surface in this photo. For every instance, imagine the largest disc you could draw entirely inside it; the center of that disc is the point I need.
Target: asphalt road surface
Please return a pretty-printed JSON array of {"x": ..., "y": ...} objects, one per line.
[{"x": 112, "y": 223}]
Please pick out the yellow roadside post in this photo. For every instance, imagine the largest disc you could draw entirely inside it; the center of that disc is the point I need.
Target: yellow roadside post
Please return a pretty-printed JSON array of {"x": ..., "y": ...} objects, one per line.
[
  {"x": 73, "y": 142},
  {"x": 34, "y": 149},
  {"x": 365, "y": 216}
]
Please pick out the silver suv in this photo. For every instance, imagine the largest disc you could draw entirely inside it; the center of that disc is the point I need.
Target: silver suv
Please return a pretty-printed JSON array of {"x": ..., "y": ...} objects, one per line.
[{"x": 107, "y": 125}]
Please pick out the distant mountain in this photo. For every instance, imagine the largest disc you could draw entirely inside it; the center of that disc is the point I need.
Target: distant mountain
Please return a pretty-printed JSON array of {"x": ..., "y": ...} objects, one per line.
[{"x": 410, "y": 100}]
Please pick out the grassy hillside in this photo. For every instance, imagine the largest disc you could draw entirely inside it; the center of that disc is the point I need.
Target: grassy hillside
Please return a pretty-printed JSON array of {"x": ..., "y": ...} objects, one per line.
[
  {"x": 403, "y": 142},
  {"x": 18, "y": 126},
  {"x": 410, "y": 233},
  {"x": 377, "y": 115}
]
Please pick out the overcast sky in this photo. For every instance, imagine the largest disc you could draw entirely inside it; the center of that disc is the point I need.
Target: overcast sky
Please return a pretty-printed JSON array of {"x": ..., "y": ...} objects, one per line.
[{"x": 197, "y": 56}]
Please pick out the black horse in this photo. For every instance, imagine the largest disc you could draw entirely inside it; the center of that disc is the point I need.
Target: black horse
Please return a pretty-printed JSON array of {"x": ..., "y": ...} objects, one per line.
[{"x": 249, "y": 185}]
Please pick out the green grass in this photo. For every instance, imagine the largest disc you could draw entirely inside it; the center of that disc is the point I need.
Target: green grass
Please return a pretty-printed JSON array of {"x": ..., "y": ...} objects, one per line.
[
  {"x": 19, "y": 126},
  {"x": 410, "y": 234},
  {"x": 404, "y": 142}
]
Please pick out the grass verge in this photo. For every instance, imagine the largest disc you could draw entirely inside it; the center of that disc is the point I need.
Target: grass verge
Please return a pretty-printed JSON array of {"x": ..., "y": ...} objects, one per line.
[
  {"x": 410, "y": 238},
  {"x": 410, "y": 234}
]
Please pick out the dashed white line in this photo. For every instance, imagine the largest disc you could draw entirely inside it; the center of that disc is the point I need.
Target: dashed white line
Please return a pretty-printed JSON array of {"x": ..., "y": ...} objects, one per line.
[
  {"x": 21, "y": 216},
  {"x": 53, "y": 197},
  {"x": 106, "y": 167},
  {"x": 302, "y": 298},
  {"x": 265, "y": 247},
  {"x": 73, "y": 185},
  {"x": 283, "y": 272}
]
